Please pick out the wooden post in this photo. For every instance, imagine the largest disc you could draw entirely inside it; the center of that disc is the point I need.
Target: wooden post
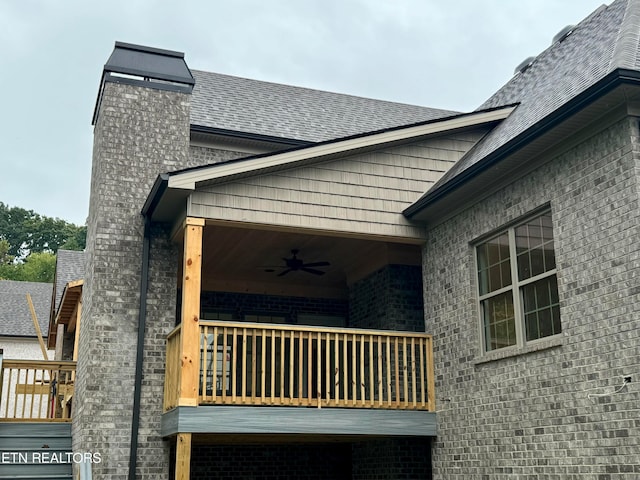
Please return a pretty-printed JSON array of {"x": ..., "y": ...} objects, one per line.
[
  {"x": 36, "y": 326},
  {"x": 431, "y": 381},
  {"x": 183, "y": 456},
  {"x": 76, "y": 336},
  {"x": 190, "y": 337}
]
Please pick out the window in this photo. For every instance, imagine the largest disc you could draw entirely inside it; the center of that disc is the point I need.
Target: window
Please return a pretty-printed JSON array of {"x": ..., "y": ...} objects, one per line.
[{"x": 517, "y": 285}]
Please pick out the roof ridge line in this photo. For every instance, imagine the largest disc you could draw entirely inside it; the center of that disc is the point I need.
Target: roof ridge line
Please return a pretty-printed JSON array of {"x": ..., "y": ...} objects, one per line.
[{"x": 626, "y": 46}]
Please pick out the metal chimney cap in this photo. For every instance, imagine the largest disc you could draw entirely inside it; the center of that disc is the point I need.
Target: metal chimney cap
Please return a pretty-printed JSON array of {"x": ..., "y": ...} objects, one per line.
[{"x": 148, "y": 62}]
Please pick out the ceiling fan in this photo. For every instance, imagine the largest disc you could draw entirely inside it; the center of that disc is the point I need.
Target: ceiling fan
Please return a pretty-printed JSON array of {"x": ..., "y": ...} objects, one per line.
[{"x": 295, "y": 264}]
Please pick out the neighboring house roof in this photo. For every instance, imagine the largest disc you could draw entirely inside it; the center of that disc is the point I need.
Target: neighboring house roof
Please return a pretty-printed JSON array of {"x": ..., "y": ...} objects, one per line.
[
  {"x": 15, "y": 316},
  {"x": 604, "y": 42},
  {"x": 69, "y": 268},
  {"x": 227, "y": 103},
  {"x": 67, "y": 288}
]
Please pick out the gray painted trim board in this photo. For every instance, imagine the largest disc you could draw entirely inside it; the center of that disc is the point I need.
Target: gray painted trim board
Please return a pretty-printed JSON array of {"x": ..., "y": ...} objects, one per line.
[{"x": 295, "y": 420}]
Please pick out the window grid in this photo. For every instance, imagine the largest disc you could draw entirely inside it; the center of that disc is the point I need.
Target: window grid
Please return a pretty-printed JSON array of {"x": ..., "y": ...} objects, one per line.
[{"x": 529, "y": 321}]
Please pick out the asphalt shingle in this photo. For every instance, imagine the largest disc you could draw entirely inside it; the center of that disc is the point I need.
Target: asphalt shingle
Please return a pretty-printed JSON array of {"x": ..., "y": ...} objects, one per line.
[
  {"x": 69, "y": 268},
  {"x": 15, "y": 316},
  {"x": 284, "y": 111},
  {"x": 604, "y": 41}
]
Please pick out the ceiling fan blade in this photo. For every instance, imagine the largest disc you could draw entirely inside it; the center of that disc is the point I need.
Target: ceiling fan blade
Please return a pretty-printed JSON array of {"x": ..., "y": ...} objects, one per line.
[
  {"x": 311, "y": 270},
  {"x": 317, "y": 264},
  {"x": 284, "y": 273}
]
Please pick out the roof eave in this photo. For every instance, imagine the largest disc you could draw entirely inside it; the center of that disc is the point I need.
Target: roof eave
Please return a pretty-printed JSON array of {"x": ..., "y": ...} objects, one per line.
[
  {"x": 254, "y": 137},
  {"x": 433, "y": 197},
  {"x": 188, "y": 179}
]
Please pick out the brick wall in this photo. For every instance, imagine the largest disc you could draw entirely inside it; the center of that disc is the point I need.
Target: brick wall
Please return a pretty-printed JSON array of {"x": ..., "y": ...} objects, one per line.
[
  {"x": 206, "y": 156},
  {"x": 140, "y": 133},
  {"x": 392, "y": 459},
  {"x": 528, "y": 416},
  {"x": 240, "y": 304},
  {"x": 389, "y": 299}
]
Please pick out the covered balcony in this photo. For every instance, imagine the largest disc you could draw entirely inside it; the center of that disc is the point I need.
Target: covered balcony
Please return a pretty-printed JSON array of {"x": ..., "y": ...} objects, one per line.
[{"x": 330, "y": 348}]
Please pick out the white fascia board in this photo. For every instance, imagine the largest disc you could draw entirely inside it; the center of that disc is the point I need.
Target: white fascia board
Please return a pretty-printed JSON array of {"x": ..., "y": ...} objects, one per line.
[{"x": 189, "y": 179}]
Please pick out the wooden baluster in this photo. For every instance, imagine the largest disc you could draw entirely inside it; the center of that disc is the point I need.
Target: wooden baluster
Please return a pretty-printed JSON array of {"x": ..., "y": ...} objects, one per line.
[
  {"x": 24, "y": 397},
  {"x": 422, "y": 373},
  {"x": 354, "y": 371},
  {"x": 327, "y": 364},
  {"x": 380, "y": 377},
  {"x": 345, "y": 368},
  {"x": 214, "y": 365},
  {"x": 362, "y": 375},
  {"x": 413, "y": 371},
  {"x": 371, "y": 367},
  {"x": 273, "y": 365},
  {"x": 244, "y": 366},
  {"x": 33, "y": 391},
  {"x": 234, "y": 365},
  {"x": 309, "y": 366},
  {"x": 336, "y": 372},
  {"x": 389, "y": 377},
  {"x": 263, "y": 366},
  {"x": 224, "y": 365},
  {"x": 282, "y": 352},
  {"x": 291, "y": 371},
  {"x": 300, "y": 364},
  {"x": 396, "y": 354},
  {"x": 254, "y": 366},
  {"x": 205, "y": 356},
  {"x": 6, "y": 406},
  {"x": 405, "y": 372}
]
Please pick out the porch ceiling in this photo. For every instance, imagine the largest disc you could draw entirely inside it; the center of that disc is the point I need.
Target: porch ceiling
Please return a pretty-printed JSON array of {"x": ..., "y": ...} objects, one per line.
[{"x": 249, "y": 260}]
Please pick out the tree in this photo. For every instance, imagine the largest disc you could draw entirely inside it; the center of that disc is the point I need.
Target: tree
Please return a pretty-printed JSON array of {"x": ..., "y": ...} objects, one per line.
[
  {"x": 29, "y": 232},
  {"x": 5, "y": 258},
  {"x": 29, "y": 241},
  {"x": 38, "y": 267}
]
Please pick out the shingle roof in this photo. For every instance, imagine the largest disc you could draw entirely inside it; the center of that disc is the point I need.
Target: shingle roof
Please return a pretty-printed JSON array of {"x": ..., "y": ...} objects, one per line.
[
  {"x": 270, "y": 109},
  {"x": 603, "y": 42},
  {"x": 69, "y": 267},
  {"x": 15, "y": 317}
]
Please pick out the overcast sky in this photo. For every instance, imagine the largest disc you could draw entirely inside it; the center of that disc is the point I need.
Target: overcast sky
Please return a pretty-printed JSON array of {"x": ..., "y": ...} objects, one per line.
[{"x": 445, "y": 54}]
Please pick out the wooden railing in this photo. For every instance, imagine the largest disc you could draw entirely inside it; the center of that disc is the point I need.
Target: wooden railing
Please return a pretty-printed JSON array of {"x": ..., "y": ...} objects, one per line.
[
  {"x": 32, "y": 390},
  {"x": 172, "y": 371},
  {"x": 260, "y": 364}
]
